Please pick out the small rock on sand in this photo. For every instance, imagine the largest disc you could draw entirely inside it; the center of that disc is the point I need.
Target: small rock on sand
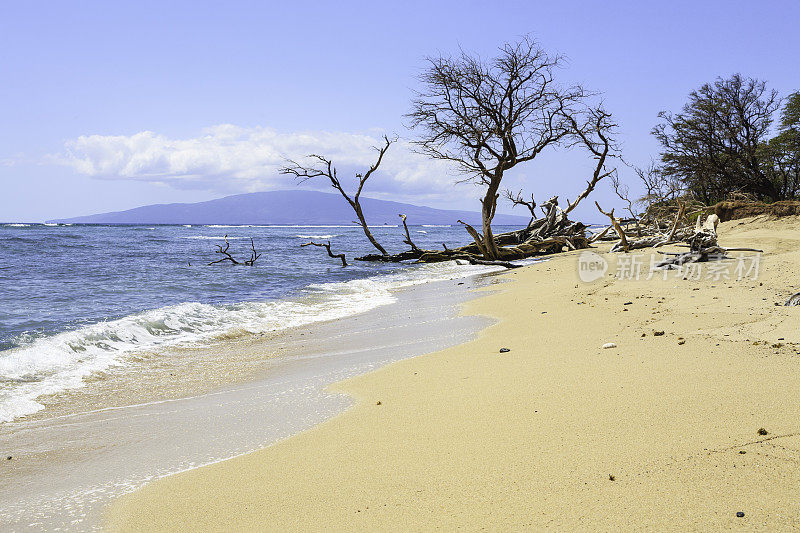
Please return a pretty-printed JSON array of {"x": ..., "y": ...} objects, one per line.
[
  {"x": 609, "y": 345},
  {"x": 658, "y": 333},
  {"x": 504, "y": 350}
]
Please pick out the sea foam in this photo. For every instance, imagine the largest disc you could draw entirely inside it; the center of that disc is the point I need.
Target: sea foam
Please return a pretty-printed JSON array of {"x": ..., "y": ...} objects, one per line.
[{"x": 48, "y": 365}]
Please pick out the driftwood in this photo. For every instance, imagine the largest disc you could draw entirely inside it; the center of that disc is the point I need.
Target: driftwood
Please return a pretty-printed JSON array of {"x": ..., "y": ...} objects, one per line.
[
  {"x": 475, "y": 236},
  {"x": 623, "y": 241},
  {"x": 703, "y": 247},
  {"x": 552, "y": 233},
  {"x": 408, "y": 240},
  {"x": 228, "y": 257},
  {"x": 601, "y": 235},
  {"x": 793, "y": 300},
  {"x": 327, "y": 247}
]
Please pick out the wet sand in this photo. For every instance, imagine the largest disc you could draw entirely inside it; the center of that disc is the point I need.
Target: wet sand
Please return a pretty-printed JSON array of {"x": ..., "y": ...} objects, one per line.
[{"x": 231, "y": 398}]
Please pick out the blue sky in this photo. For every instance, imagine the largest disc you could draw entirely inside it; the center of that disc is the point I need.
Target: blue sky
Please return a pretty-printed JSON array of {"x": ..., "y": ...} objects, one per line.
[{"x": 104, "y": 104}]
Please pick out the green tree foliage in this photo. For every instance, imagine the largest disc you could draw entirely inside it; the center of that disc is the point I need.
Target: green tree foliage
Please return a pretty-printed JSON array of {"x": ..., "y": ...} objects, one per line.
[
  {"x": 715, "y": 145},
  {"x": 781, "y": 154},
  {"x": 720, "y": 142}
]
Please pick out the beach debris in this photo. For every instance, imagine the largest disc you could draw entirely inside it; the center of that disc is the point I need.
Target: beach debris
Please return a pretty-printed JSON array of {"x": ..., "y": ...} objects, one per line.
[
  {"x": 740, "y": 514},
  {"x": 552, "y": 233},
  {"x": 611, "y": 477},
  {"x": 9, "y": 458},
  {"x": 327, "y": 247},
  {"x": 608, "y": 345},
  {"x": 658, "y": 333},
  {"x": 228, "y": 257},
  {"x": 651, "y": 231},
  {"x": 681, "y": 340},
  {"x": 378, "y": 402},
  {"x": 505, "y": 350},
  {"x": 762, "y": 431},
  {"x": 742, "y": 452},
  {"x": 793, "y": 300}
]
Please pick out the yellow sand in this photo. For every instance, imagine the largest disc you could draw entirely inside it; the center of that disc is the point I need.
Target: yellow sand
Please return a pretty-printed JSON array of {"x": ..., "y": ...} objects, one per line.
[{"x": 468, "y": 438}]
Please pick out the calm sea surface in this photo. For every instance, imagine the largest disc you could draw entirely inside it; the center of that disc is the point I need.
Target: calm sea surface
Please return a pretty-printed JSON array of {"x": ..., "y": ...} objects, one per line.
[{"x": 78, "y": 299}]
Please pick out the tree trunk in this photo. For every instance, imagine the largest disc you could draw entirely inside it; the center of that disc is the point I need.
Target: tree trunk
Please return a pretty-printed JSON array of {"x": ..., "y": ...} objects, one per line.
[
  {"x": 367, "y": 232},
  {"x": 489, "y": 204}
]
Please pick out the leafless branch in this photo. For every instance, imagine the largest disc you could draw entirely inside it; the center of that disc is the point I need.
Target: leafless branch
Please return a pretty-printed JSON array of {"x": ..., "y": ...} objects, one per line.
[
  {"x": 327, "y": 247},
  {"x": 320, "y": 166}
]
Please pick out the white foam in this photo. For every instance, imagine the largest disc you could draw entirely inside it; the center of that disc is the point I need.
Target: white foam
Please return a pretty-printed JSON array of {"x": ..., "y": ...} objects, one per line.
[
  {"x": 316, "y": 236},
  {"x": 17, "y": 225},
  {"x": 53, "y": 364},
  {"x": 210, "y": 237}
]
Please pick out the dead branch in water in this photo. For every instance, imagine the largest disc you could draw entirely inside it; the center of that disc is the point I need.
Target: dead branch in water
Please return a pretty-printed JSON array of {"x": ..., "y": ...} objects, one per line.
[
  {"x": 228, "y": 257},
  {"x": 408, "y": 240},
  {"x": 327, "y": 247}
]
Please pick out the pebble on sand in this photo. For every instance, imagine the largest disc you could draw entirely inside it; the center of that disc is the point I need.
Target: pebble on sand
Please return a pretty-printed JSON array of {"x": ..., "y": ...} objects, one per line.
[
  {"x": 740, "y": 514},
  {"x": 504, "y": 350},
  {"x": 609, "y": 345}
]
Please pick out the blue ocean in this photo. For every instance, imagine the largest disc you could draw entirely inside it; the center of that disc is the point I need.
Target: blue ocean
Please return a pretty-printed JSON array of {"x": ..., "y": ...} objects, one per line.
[{"x": 80, "y": 299}]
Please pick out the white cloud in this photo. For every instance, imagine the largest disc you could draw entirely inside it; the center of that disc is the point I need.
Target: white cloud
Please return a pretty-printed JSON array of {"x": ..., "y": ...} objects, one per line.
[{"x": 228, "y": 158}]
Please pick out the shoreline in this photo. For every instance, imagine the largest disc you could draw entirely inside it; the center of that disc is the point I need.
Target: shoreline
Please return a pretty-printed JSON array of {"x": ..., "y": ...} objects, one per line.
[
  {"x": 100, "y": 453},
  {"x": 659, "y": 432}
]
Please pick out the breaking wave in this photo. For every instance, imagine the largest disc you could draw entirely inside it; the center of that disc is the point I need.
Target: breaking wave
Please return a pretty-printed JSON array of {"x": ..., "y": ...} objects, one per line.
[{"x": 47, "y": 365}]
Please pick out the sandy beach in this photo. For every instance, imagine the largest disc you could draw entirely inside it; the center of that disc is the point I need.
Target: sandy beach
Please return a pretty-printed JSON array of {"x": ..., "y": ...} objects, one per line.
[
  {"x": 660, "y": 432},
  {"x": 68, "y": 465}
]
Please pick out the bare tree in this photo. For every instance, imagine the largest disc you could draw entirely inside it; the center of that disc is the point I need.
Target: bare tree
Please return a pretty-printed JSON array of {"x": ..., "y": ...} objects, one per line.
[
  {"x": 320, "y": 166},
  {"x": 658, "y": 186},
  {"x": 592, "y": 128},
  {"x": 487, "y": 116},
  {"x": 623, "y": 192}
]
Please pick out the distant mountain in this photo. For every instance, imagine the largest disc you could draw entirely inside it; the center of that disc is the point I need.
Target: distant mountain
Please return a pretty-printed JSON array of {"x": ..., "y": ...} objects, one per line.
[{"x": 286, "y": 207}]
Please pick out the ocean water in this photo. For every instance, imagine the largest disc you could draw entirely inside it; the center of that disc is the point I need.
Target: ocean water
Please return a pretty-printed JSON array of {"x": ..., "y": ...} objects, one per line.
[{"x": 80, "y": 299}]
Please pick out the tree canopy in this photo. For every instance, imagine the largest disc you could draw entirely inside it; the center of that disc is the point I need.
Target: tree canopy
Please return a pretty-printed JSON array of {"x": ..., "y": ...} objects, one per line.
[
  {"x": 489, "y": 115},
  {"x": 721, "y": 143}
]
